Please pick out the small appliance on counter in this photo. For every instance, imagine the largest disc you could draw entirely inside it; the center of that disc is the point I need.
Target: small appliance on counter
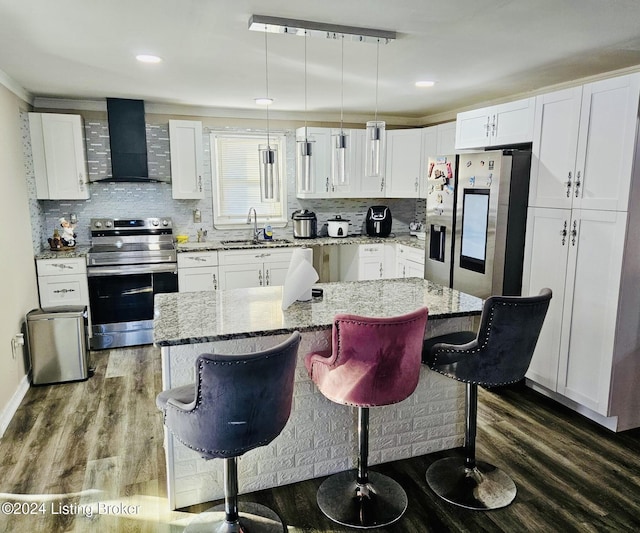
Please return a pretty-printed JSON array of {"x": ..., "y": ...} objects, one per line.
[
  {"x": 338, "y": 226},
  {"x": 305, "y": 224},
  {"x": 378, "y": 221}
]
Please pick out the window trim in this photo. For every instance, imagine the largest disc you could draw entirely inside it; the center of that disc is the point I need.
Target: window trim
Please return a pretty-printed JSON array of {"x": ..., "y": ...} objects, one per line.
[{"x": 260, "y": 138}]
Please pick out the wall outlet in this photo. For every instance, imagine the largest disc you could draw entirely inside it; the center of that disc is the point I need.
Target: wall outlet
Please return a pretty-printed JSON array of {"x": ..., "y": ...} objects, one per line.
[{"x": 197, "y": 216}]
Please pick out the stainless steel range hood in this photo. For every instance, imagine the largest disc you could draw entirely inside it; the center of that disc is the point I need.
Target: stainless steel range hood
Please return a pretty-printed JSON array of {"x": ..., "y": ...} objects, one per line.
[{"x": 128, "y": 140}]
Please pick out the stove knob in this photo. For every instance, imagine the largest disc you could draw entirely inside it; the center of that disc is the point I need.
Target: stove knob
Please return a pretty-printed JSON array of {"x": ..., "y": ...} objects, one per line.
[
  {"x": 108, "y": 223},
  {"x": 165, "y": 222},
  {"x": 98, "y": 224},
  {"x": 155, "y": 222}
]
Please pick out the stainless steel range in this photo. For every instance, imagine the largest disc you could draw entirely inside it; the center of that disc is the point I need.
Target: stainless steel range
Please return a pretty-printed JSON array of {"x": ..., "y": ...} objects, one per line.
[{"x": 130, "y": 261}]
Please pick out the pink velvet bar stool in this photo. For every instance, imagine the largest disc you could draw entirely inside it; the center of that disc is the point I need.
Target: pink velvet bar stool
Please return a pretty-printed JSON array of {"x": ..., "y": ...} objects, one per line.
[{"x": 373, "y": 362}]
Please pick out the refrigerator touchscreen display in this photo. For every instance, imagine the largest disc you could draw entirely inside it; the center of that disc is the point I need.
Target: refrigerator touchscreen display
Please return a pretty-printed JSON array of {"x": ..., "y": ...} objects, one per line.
[{"x": 475, "y": 219}]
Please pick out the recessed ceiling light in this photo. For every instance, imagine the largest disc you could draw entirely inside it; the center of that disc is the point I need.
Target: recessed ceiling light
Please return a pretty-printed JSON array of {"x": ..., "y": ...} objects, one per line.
[
  {"x": 264, "y": 101},
  {"x": 147, "y": 58},
  {"x": 425, "y": 83}
]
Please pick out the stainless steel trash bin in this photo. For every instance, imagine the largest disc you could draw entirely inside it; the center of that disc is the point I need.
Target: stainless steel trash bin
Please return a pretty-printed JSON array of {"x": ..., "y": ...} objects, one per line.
[{"x": 58, "y": 346}]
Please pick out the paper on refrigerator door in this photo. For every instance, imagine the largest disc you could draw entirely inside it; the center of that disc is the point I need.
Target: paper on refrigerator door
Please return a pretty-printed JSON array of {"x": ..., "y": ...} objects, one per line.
[{"x": 300, "y": 277}]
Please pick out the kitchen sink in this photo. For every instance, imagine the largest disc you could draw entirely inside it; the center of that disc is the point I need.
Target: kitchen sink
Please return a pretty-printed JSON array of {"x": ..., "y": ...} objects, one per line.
[{"x": 249, "y": 242}]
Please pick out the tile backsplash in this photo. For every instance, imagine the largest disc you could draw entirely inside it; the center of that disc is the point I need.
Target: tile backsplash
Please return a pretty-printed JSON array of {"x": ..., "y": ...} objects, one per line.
[{"x": 128, "y": 200}]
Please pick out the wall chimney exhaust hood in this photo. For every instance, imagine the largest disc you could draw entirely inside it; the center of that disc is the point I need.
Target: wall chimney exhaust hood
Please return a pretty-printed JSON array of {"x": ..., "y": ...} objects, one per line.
[{"x": 128, "y": 140}]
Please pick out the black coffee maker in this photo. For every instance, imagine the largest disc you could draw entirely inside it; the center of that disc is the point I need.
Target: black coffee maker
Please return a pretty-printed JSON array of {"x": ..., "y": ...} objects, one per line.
[{"x": 378, "y": 221}]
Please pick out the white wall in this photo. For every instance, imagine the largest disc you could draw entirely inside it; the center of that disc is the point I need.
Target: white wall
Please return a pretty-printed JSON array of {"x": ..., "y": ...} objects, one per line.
[{"x": 18, "y": 287}]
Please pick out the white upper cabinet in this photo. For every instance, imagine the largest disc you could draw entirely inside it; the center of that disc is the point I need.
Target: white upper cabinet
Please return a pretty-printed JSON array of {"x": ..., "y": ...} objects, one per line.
[
  {"x": 404, "y": 160},
  {"x": 185, "y": 137},
  {"x": 445, "y": 138},
  {"x": 320, "y": 184},
  {"x": 583, "y": 145},
  {"x": 498, "y": 125},
  {"x": 59, "y": 161}
]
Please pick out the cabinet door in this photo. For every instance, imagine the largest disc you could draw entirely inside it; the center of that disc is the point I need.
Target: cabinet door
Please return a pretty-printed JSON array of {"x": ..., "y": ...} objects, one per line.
[
  {"x": 197, "y": 279},
  {"x": 545, "y": 264},
  {"x": 554, "y": 149},
  {"x": 606, "y": 143},
  {"x": 185, "y": 137},
  {"x": 590, "y": 307},
  {"x": 512, "y": 123},
  {"x": 473, "y": 129},
  {"x": 446, "y": 139},
  {"x": 241, "y": 276},
  {"x": 63, "y": 290},
  {"x": 275, "y": 272},
  {"x": 59, "y": 156},
  {"x": 321, "y": 161},
  {"x": 370, "y": 268},
  {"x": 404, "y": 154}
]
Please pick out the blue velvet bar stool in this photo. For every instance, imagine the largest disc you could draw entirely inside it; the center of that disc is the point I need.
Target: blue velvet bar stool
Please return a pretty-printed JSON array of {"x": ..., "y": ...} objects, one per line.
[
  {"x": 373, "y": 362},
  {"x": 498, "y": 354},
  {"x": 239, "y": 402}
]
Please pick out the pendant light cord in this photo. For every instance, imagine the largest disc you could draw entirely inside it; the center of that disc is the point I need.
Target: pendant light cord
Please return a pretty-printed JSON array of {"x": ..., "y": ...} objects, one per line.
[
  {"x": 342, "y": 84},
  {"x": 266, "y": 71},
  {"x": 306, "y": 136},
  {"x": 377, "y": 71}
]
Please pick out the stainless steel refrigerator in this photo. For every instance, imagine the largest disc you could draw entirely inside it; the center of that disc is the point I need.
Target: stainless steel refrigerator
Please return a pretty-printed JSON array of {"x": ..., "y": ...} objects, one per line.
[{"x": 476, "y": 220}]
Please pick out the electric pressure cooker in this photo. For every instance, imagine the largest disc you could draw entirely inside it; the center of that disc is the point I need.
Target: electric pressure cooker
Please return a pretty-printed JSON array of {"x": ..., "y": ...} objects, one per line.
[{"x": 305, "y": 224}]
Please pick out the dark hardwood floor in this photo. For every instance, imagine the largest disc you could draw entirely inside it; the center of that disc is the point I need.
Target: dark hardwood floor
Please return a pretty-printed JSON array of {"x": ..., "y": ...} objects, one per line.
[{"x": 96, "y": 448}]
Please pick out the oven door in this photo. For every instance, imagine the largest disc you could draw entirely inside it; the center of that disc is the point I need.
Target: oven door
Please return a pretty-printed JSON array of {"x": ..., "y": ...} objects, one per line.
[{"x": 121, "y": 301}]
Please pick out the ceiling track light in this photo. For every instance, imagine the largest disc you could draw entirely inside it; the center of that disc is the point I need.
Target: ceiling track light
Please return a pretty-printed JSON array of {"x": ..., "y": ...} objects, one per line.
[{"x": 319, "y": 29}]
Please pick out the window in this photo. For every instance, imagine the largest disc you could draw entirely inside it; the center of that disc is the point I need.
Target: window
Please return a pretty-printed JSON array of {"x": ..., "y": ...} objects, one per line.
[{"x": 236, "y": 179}]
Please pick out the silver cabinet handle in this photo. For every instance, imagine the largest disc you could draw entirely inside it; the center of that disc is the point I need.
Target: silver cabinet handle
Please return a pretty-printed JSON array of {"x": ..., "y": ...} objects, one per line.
[
  {"x": 563, "y": 233},
  {"x": 197, "y": 258},
  {"x": 260, "y": 277},
  {"x": 569, "y": 185},
  {"x": 578, "y": 184},
  {"x": 416, "y": 184},
  {"x": 200, "y": 183},
  {"x": 487, "y": 127},
  {"x": 574, "y": 233},
  {"x": 382, "y": 185},
  {"x": 63, "y": 291},
  {"x": 327, "y": 184},
  {"x": 61, "y": 266},
  {"x": 267, "y": 277},
  {"x": 215, "y": 282},
  {"x": 493, "y": 126},
  {"x": 380, "y": 269},
  {"x": 81, "y": 181}
]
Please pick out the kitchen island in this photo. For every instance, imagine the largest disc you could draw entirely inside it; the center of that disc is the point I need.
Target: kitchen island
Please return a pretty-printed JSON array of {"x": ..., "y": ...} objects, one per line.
[{"x": 320, "y": 437}]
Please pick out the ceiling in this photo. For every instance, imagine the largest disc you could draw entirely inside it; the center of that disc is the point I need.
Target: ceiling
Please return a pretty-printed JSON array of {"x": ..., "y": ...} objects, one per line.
[{"x": 477, "y": 51}]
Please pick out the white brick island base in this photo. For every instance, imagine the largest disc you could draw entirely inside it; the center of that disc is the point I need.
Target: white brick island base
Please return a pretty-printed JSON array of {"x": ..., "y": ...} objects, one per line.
[{"x": 320, "y": 437}]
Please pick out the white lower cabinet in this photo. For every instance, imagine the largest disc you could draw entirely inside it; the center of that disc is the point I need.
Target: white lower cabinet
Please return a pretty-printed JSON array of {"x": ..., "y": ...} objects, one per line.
[
  {"x": 409, "y": 262},
  {"x": 583, "y": 352},
  {"x": 259, "y": 267},
  {"x": 198, "y": 271},
  {"x": 359, "y": 262},
  {"x": 63, "y": 282}
]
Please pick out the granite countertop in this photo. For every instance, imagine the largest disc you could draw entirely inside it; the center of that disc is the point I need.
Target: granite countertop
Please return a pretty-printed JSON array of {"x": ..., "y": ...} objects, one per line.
[
  {"x": 213, "y": 245},
  {"x": 77, "y": 251},
  {"x": 195, "y": 317}
]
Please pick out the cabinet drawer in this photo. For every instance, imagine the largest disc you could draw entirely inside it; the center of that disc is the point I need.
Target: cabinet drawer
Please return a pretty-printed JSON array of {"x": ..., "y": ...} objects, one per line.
[
  {"x": 369, "y": 250},
  {"x": 57, "y": 267},
  {"x": 63, "y": 290},
  {"x": 410, "y": 254},
  {"x": 258, "y": 255},
  {"x": 200, "y": 259}
]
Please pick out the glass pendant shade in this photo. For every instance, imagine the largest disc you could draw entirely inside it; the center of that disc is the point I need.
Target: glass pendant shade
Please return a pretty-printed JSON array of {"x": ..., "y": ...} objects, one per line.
[
  {"x": 269, "y": 174},
  {"x": 339, "y": 165},
  {"x": 375, "y": 149},
  {"x": 304, "y": 166}
]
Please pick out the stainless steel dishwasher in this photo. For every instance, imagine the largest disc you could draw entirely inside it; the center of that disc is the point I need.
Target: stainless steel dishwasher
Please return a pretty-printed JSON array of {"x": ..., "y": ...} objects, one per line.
[{"x": 58, "y": 344}]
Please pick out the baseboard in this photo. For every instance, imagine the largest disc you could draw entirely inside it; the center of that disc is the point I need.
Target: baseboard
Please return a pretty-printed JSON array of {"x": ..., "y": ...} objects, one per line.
[{"x": 12, "y": 406}]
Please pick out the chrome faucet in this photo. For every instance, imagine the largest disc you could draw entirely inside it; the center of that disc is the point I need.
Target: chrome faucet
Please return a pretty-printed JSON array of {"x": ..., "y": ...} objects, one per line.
[{"x": 256, "y": 232}]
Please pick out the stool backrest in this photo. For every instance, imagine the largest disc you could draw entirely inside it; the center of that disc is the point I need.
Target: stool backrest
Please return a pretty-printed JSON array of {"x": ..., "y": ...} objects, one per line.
[
  {"x": 377, "y": 360},
  {"x": 242, "y": 401},
  {"x": 502, "y": 351}
]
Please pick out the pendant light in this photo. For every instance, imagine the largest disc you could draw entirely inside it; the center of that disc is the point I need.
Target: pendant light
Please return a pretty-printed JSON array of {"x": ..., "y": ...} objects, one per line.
[
  {"x": 268, "y": 155},
  {"x": 339, "y": 167},
  {"x": 304, "y": 152},
  {"x": 375, "y": 147}
]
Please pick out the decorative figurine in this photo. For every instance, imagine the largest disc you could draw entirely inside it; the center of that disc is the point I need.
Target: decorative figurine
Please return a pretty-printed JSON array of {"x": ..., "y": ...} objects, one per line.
[{"x": 68, "y": 236}]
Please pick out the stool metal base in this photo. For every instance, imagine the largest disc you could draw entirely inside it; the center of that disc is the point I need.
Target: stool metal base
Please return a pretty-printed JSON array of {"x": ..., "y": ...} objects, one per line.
[
  {"x": 254, "y": 518},
  {"x": 378, "y": 503},
  {"x": 480, "y": 488}
]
